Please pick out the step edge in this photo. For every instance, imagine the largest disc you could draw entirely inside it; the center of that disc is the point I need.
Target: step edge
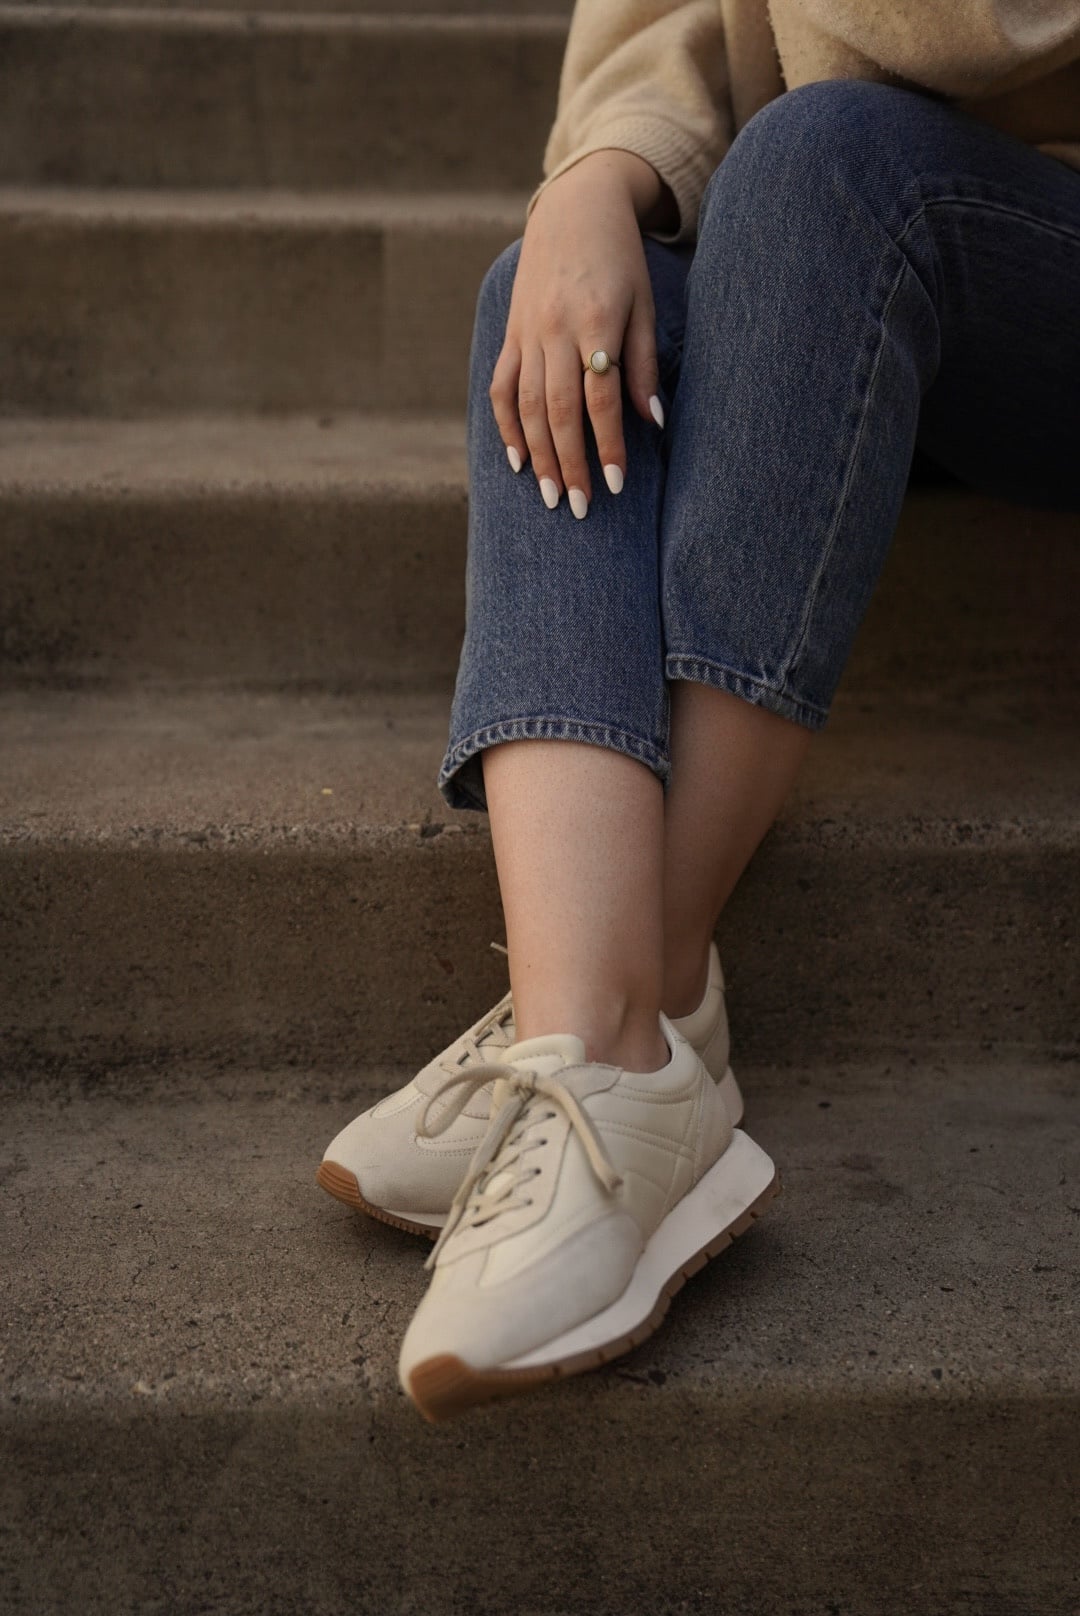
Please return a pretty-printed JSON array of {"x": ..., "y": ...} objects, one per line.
[{"x": 251, "y": 22}]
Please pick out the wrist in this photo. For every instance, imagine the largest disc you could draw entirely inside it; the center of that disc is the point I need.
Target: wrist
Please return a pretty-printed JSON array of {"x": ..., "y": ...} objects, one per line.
[{"x": 653, "y": 201}]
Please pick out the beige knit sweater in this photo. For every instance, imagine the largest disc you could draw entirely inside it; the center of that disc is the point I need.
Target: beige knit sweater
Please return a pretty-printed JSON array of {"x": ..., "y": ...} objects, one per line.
[{"x": 675, "y": 80}]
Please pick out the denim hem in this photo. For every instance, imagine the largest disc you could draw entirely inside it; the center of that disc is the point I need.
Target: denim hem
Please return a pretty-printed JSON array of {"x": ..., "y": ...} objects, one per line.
[
  {"x": 462, "y": 787},
  {"x": 702, "y": 672}
]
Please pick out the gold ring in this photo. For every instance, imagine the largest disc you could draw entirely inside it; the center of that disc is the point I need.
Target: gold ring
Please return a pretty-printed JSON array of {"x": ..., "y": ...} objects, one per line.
[{"x": 600, "y": 362}]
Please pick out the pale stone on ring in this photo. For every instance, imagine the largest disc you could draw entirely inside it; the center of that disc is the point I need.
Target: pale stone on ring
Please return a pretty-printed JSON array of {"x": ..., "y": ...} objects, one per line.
[{"x": 600, "y": 361}]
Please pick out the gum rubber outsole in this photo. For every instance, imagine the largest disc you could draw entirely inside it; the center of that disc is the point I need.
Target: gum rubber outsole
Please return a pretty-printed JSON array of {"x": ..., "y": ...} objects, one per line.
[
  {"x": 343, "y": 1186},
  {"x": 444, "y": 1385}
]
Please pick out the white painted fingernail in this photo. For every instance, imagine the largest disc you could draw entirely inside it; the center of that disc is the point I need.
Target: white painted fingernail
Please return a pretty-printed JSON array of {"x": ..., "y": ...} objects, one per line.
[
  {"x": 657, "y": 410},
  {"x": 513, "y": 457},
  {"x": 614, "y": 478},
  {"x": 550, "y": 492},
  {"x": 578, "y": 503}
]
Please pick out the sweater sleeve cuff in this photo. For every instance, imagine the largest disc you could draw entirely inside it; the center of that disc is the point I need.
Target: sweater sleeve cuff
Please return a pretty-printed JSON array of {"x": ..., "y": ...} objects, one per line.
[{"x": 675, "y": 154}]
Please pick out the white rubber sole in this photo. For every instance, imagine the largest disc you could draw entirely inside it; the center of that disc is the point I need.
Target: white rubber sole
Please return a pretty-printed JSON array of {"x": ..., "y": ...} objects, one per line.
[
  {"x": 738, "y": 1181},
  {"x": 726, "y": 1202},
  {"x": 427, "y": 1223}
]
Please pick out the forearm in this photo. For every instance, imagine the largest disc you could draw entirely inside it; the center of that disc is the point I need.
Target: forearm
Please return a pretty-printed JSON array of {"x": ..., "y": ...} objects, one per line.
[
  {"x": 647, "y": 77},
  {"x": 654, "y": 204}
]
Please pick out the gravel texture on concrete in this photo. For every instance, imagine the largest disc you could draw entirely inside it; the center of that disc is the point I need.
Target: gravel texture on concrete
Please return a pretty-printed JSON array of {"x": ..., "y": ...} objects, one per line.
[
  {"x": 331, "y": 549},
  {"x": 268, "y": 553},
  {"x": 128, "y": 303},
  {"x": 241, "y": 766},
  {"x": 259, "y": 878},
  {"x": 199, "y": 456},
  {"x": 229, "y": 894},
  {"x": 296, "y": 101},
  {"x": 462, "y": 8},
  {"x": 868, "y": 1404}
]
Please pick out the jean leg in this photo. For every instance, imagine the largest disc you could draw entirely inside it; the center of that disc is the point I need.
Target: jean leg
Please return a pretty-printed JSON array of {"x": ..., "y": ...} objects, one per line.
[
  {"x": 563, "y": 634},
  {"x": 821, "y": 311},
  {"x": 1003, "y": 413}
]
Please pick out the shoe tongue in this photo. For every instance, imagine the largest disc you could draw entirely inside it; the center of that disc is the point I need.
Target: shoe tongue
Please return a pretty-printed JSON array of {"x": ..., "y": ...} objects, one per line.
[
  {"x": 548, "y": 1053},
  {"x": 544, "y": 1055}
]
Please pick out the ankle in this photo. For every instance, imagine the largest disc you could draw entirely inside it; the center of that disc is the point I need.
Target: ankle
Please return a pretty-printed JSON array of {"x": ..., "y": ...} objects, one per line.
[
  {"x": 686, "y": 976},
  {"x": 614, "y": 1031},
  {"x": 638, "y": 1049}
]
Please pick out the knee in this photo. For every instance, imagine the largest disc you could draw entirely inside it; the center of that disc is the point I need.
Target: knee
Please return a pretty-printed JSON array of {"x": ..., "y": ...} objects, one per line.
[
  {"x": 847, "y": 124},
  {"x": 808, "y": 150}
]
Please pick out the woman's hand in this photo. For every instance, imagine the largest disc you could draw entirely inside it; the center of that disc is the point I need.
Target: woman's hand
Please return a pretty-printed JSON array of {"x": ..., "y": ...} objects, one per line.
[{"x": 581, "y": 284}]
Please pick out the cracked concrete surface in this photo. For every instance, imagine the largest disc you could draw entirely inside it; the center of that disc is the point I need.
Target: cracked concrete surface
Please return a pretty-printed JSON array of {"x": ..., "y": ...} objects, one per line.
[{"x": 888, "y": 1359}]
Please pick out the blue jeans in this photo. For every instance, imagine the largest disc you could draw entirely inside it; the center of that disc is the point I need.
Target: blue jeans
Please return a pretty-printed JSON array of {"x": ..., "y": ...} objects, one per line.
[{"x": 873, "y": 271}]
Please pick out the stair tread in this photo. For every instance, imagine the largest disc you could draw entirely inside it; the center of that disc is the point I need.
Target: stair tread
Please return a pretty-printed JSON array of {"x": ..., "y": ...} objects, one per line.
[
  {"x": 328, "y": 548},
  {"x": 171, "y": 1247},
  {"x": 470, "y": 9},
  {"x": 539, "y": 22},
  {"x": 179, "y": 454},
  {"x": 134, "y": 303},
  {"x": 192, "y": 97},
  {"x": 885, "y": 1367},
  {"x": 243, "y": 767},
  {"x": 247, "y": 206}
]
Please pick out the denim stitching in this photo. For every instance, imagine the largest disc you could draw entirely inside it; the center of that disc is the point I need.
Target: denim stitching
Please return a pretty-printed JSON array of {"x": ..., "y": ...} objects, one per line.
[
  {"x": 849, "y": 477},
  {"x": 703, "y": 672},
  {"x": 553, "y": 729},
  {"x": 905, "y": 264},
  {"x": 989, "y": 207}
]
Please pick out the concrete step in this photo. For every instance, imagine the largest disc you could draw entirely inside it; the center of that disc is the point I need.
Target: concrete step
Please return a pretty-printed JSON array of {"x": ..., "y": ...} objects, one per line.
[
  {"x": 196, "y": 98},
  {"x": 331, "y": 551},
  {"x": 840, "y": 1414},
  {"x": 265, "y": 879},
  {"x": 130, "y": 303},
  {"x": 383, "y": 8},
  {"x": 255, "y": 551}
]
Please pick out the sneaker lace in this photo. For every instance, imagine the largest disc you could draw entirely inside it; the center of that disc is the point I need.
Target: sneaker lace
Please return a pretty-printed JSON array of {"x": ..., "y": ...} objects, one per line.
[{"x": 497, "y": 1172}]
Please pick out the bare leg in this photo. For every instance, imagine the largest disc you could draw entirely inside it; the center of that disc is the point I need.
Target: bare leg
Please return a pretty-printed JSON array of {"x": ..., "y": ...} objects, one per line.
[
  {"x": 578, "y": 833},
  {"x": 611, "y": 894},
  {"x": 732, "y": 765}
]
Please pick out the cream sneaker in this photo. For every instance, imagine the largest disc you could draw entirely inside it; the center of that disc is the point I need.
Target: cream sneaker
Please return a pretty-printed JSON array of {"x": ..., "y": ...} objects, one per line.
[
  {"x": 381, "y": 1165},
  {"x": 595, "y": 1194}
]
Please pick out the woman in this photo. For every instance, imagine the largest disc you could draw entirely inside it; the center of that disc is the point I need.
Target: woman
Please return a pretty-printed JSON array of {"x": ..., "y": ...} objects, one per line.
[{"x": 775, "y": 248}]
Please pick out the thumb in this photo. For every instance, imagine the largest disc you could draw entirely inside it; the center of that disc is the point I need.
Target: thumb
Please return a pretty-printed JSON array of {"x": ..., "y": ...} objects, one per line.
[{"x": 641, "y": 373}]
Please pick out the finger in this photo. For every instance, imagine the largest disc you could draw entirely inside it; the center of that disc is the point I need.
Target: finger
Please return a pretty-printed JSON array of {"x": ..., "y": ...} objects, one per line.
[
  {"x": 565, "y": 409},
  {"x": 641, "y": 372},
  {"x": 603, "y": 399},
  {"x": 532, "y": 410},
  {"x": 503, "y": 393}
]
